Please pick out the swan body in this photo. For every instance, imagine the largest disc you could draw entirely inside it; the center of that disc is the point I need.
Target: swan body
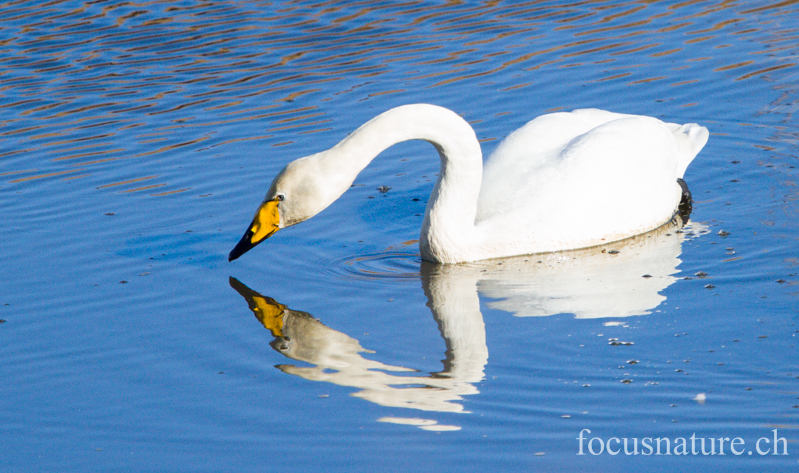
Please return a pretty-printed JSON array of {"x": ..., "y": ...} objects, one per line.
[{"x": 563, "y": 181}]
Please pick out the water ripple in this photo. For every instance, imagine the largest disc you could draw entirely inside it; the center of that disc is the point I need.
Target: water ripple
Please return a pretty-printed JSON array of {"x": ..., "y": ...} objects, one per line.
[
  {"x": 87, "y": 85},
  {"x": 396, "y": 265}
]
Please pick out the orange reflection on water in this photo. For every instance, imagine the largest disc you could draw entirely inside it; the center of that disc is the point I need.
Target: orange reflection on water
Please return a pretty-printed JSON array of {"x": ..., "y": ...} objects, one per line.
[{"x": 192, "y": 74}]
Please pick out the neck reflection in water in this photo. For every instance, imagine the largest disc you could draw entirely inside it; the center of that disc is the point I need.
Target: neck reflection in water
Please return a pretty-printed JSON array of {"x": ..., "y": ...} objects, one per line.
[
  {"x": 337, "y": 357},
  {"x": 617, "y": 280}
]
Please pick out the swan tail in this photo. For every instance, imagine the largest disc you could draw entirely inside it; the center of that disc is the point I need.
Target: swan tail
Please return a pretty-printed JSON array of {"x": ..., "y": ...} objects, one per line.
[
  {"x": 686, "y": 201},
  {"x": 694, "y": 137}
]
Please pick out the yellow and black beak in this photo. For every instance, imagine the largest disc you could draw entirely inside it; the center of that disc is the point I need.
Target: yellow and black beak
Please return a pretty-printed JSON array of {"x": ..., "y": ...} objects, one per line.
[{"x": 265, "y": 223}]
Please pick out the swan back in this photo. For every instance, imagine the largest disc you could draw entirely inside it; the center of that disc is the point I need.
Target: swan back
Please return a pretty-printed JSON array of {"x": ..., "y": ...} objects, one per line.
[{"x": 583, "y": 178}]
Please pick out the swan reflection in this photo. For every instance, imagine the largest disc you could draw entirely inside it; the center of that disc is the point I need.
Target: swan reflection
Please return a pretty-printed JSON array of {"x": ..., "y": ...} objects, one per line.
[
  {"x": 621, "y": 279},
  {"x": 336, "y": 357},
  {"x": 617, "y": 280}
]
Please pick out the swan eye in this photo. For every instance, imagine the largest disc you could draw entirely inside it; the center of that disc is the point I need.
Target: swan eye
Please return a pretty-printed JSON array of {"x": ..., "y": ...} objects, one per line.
[{"x": 280, "y": 197}]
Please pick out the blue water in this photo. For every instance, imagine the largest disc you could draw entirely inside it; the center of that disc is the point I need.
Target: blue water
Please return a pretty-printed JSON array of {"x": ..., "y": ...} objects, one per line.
[{"x": 136, "y": 141}]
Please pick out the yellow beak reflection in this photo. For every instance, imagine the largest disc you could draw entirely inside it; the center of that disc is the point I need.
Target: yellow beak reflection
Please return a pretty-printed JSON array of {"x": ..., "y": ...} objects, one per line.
[
  {"x": 265, "y": 223},
  {"x": 267, "y": 310}
]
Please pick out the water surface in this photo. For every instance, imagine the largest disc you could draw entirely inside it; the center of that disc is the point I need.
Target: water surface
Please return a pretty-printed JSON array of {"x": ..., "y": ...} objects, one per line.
[{"x": 136, "y": 140}]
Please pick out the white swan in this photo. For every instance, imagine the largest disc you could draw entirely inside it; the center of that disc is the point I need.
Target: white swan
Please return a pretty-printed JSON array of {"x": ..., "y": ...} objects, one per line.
[{"x": 562, "y": 181}]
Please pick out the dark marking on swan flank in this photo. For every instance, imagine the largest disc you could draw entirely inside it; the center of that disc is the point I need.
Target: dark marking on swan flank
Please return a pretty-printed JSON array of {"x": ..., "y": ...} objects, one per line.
[{"x": 686, "y": 202}]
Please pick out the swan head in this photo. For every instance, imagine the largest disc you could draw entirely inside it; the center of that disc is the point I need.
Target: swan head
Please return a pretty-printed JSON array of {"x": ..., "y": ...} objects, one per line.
[{"x": 301, "y": 190}]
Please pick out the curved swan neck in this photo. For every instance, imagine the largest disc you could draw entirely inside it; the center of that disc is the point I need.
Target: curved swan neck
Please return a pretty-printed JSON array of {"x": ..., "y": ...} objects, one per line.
[{"x": 448, "y": 227}]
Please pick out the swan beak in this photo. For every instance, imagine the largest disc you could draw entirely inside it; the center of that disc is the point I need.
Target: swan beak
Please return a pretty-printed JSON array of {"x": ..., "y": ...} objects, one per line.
[{"x": 265, "y": 223}]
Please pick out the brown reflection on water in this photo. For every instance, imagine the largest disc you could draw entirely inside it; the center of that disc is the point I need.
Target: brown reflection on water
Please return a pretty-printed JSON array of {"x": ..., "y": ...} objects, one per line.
[
  {"x": 42, "y": 176},
  {"x": 105, "y": 78}
]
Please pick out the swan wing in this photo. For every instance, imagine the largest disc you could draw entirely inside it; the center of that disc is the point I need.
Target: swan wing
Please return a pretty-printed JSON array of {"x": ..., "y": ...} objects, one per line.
[{"x": 570, "y": 180}]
